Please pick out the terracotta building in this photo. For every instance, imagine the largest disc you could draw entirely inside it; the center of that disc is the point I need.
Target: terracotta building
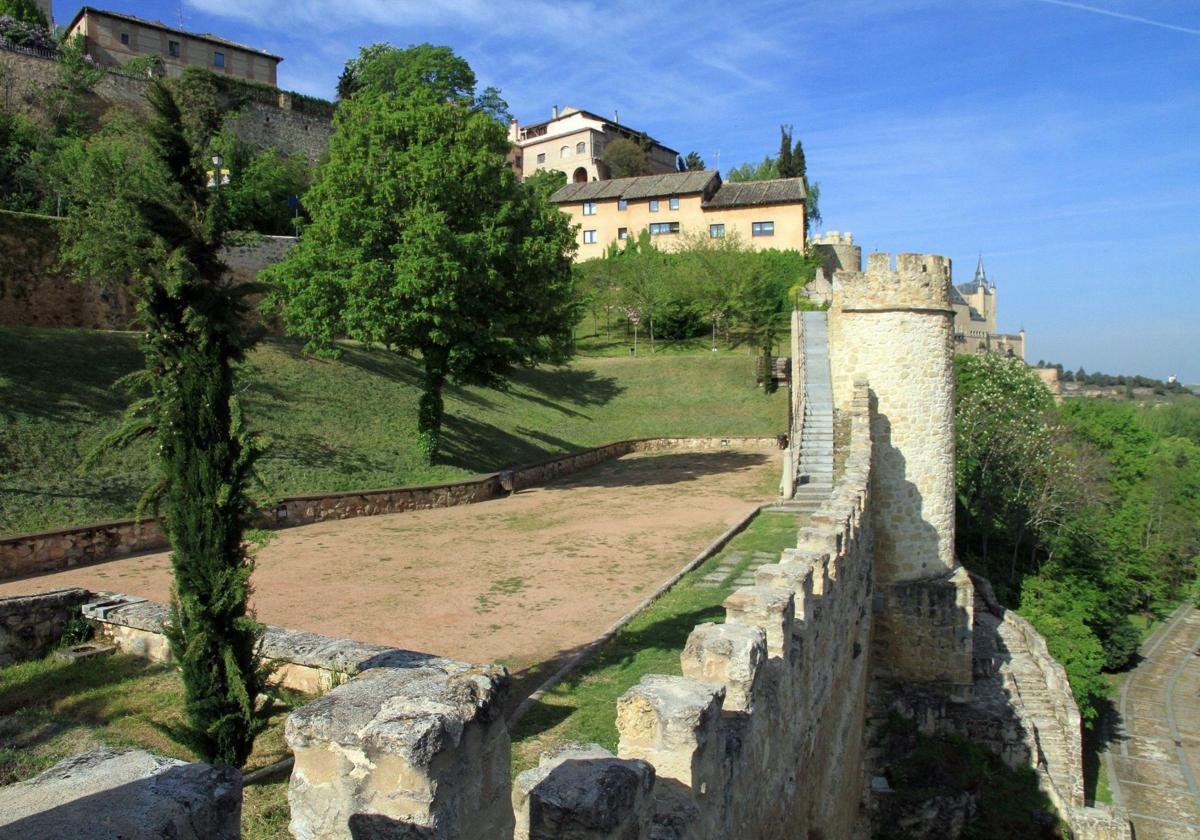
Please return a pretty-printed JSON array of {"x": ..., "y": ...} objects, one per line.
[
  {"x": 572, "y": 142},
  {"x": 765, "y": 214},
  {"x": 113, "y": 39}
]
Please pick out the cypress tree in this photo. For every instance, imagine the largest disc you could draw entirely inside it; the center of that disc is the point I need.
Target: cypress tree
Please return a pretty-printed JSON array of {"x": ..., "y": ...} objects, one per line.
[
  {"x": 194, "y": 322},
  {"x": 799, "y": 164},
  {"x": 786, "y": 165}
]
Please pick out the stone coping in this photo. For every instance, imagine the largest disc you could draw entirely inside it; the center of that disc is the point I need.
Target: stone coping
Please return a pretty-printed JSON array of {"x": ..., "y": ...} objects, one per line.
[{"x": 279, "y": 644}]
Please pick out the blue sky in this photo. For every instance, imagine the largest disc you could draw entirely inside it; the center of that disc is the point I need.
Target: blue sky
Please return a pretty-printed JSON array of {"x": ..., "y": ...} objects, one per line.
[{"x": 1059, "y": 139}]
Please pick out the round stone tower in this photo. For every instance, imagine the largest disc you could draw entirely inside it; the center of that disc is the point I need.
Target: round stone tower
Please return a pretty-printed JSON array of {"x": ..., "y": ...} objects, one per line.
[
  {"x": 838, "y": 252},
  {"x": 894, "y": 327}
]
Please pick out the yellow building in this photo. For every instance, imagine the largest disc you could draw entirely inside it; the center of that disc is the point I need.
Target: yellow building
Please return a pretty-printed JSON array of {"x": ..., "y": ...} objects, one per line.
[
  {"x": 975, "y": 319},
  {"x": 571, "y": 141},
  {"x": 113, "y": 39},
  {"x": 765, "y": 214}
]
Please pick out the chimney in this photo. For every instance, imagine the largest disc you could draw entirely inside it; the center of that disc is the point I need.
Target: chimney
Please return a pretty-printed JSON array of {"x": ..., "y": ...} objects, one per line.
[{"x": 554, "y": 112}]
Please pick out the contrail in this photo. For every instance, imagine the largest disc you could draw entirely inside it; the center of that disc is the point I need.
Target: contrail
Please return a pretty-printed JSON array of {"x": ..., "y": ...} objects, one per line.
[{"x": 1121, "y": 16}]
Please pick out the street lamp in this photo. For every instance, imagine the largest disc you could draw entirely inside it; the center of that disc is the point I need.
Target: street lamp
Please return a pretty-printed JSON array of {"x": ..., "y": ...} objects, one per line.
[{"x": 217, "y": 177}]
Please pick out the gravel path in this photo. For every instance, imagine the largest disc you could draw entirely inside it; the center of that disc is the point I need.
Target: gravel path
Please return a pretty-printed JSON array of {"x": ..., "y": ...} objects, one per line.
[{"x": 1153, "y": 762}]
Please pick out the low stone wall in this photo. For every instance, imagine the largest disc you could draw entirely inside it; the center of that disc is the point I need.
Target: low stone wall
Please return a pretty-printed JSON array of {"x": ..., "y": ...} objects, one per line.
[
  {"x": 302, "y": 661},
  {"x": 31, "y": 625},
  {"x": 31, "y": 554}
]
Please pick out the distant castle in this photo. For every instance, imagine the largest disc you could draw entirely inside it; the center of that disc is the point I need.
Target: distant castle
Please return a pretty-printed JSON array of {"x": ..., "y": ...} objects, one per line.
[{"x": 974, "y": 303}]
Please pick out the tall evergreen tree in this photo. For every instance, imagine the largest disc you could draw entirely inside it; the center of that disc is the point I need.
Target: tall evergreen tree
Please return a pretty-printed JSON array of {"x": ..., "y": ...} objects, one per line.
[
  {"x": 160, "y": 230},
  {"x": 786, "y": 167}
]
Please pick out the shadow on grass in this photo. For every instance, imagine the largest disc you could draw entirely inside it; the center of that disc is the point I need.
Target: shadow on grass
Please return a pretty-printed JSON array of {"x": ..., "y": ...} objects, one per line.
[
  {"x": 66, "y": 377},
  {"x": 1097, "y": 740},
  {"x": 481, "y": 447},
  {"x": 29, "y": 686}
]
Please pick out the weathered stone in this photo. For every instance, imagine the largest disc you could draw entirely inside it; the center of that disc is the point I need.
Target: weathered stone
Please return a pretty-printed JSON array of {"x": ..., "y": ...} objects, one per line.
[
  {"x": 33, "y": 624},
  {"x": 770, "y": 608},
  {"x": 124, "y": 795},
  {"x": 672, "y": 722},
  {"x": 403, "y": 748},
  {"x": 729, "y": 654},
  {"x": 583, "y": 792}
]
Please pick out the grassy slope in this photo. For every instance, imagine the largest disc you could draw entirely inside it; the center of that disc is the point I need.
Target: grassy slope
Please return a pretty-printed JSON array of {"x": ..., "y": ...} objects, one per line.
[{"x": 346, "y": 424}]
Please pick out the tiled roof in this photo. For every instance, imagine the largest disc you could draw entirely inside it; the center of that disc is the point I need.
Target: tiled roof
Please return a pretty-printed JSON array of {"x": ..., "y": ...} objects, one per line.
[
  {"x": 956, "y": 297},
  {"x": 753, "y": 193},
  {"x": 156, "y": 24},
  {"x": 642, "y": 186}
]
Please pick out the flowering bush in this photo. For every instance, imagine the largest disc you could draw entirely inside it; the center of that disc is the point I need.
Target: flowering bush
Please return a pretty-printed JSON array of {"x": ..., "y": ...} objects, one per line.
[{"x": 19, "y": 34}]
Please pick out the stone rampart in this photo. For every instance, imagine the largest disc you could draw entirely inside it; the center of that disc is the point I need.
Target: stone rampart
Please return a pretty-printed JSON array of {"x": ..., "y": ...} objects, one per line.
[
  {"x": 761, "y": 734},
  {"x": 47, "y": 551},
  {"x": 791, "y": 457}
]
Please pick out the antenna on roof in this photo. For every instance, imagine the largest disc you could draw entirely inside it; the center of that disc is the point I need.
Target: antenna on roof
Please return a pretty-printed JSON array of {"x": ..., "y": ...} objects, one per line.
[
  {"x": 717, "y": 155},
  {"x": 181, "y": 26}
]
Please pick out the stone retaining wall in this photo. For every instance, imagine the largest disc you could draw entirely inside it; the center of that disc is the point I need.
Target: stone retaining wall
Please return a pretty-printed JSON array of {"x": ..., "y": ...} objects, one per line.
[
  {"x": 30, "y": 554},
  {"x": 31, "y": 625}
]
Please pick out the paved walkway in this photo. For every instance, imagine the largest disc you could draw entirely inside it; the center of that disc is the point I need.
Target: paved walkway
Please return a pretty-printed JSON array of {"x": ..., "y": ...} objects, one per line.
[{"x": 1153, "y": 762}]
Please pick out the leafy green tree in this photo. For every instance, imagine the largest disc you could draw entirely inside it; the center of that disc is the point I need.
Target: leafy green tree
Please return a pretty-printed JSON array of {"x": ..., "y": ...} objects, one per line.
[
  {"x": 625, "y": 158},
  {"x": 66, "y": 99},
  {"x": 260, "y": 183},
  {"x": 767, "y": 170},
  {"x": 423, "y": 240},
  {"x": 144, "y": 217},
  {"x": 25, "y": 11},
  {"x": 693, "y": 162},
  {"x": 791, "y": 163}
]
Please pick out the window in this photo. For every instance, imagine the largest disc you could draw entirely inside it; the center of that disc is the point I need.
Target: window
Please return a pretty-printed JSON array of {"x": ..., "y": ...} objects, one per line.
[
  {"x": 654, "y": 205},
  {"x": 659, "y": 228},
  {"x": 762, "y": 229},
  {"x": 125, "y": 38},
  {"x": 218, "y": 59},
  {"x": 622, "y": 234},
  {"x": 589, "y": 237},
  {"x": 589, "y": 208},
  {"x": 564, "y": 151},
  {"x": 541, "y": 157},
  {"x": 622, "y": 204},
  {"x": 716, "y": 231},
  {"x": 673, "y": 202},
  {"x": 580, "y": 147},
  {"x": 173, "y": 49}
]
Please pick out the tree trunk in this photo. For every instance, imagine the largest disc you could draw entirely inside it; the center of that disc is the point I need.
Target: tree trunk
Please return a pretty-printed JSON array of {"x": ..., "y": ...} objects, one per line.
[{"x": 430, "y": 409}]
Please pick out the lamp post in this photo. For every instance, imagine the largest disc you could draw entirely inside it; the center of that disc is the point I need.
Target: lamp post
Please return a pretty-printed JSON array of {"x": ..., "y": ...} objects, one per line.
[{"x": 217, "y": 177}]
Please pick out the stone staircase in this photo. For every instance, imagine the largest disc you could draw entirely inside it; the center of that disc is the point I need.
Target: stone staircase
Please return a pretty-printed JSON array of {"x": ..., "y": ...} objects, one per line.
[{"x": 816, "y": 428}]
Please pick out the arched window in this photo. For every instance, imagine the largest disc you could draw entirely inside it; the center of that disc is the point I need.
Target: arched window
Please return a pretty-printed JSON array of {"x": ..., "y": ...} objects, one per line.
[
  {"x": 580, "y": 176},
  {"x": 580, "y": 147},
  {"x": 564, "y": 151}
]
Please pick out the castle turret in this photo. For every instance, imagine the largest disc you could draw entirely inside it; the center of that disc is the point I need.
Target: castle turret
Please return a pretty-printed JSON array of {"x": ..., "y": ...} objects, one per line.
[{"x": 895, "y": 329}]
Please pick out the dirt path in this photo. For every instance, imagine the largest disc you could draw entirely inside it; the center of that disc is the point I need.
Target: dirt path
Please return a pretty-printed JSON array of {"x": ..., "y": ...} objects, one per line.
[
  {"x": 1153, "y": 763},
  {"x": 520, "y": 580}
]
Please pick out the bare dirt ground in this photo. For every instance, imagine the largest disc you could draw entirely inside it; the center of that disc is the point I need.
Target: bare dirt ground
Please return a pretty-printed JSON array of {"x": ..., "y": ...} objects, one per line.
[{"x": 522, "y": 580}]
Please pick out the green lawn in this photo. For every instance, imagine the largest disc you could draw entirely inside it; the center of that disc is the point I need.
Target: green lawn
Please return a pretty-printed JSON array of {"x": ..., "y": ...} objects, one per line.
[
  {"x": 584, "y": 706},
  {"x": 343, "y": 425},
  {"x": 51, "y": 709}
]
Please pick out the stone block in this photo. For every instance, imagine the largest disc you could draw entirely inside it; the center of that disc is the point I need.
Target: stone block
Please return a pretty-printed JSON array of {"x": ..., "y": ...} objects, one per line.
[
  {"x": 583, "y": 792},
  {"x": 770, "y": 608},
  {"x": 673, "y": 722},
  {"x": 796, "y": 576},
  {"x": 729, "y": 654},
  {"x": 422, "y": 750},
  {"x": 124, "y": 795}
]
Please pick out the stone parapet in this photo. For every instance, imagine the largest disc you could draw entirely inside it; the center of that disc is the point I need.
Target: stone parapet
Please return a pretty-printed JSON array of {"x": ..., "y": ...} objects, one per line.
[
  {"x": 918, "y": 281},
  {"x": 49, "y": 551},
  {"x": 418, "y": 751}
]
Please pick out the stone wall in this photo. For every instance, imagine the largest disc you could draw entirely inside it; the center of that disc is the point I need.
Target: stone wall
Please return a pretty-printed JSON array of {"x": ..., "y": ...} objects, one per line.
[
  {"x": 31, "y": 625},
  {"x": 24, "y": 77},
  {"x": 761, "y": 734},
  {"x": 52, "y": 550},
  {"x": 36, "y": 291}
]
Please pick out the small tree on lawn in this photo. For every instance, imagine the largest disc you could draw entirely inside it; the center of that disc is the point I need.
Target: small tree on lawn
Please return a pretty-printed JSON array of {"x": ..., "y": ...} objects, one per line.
[
  {"x": 423, "y": 240},
  {"x": 145, "y": 218}
]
